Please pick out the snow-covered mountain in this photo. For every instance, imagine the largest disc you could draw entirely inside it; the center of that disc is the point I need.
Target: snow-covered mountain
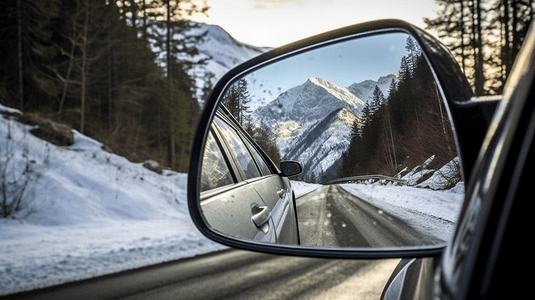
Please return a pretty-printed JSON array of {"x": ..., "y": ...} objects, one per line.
[
  {"x": 307, "y": 104},
  {"x": 224, "y": 51},
  {"x": 312, "y": 123},
  {"x": 364, "y": 89},
  {"x": 321, "y": 147},
  {"x": 220, "y": 50}
]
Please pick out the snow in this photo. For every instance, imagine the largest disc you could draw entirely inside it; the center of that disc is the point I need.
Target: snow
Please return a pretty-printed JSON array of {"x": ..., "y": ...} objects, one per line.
[
  {"x": 94, "y": 213},
  {"x": 90, "y": 213},
  {"x": 429, "y": 211},
  {"x": 221, "y": 50}
]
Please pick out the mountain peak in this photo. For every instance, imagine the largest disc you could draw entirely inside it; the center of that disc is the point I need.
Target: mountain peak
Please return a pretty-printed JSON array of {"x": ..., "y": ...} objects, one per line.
[
  {"x": 338, "y": 92},
  {"x": 364, "y": 89}
]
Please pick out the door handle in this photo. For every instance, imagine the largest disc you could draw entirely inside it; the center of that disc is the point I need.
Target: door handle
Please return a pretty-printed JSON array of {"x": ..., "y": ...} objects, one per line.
[
  {"x": 281, "y": 193},
  {"x": 261, "y": 215}
]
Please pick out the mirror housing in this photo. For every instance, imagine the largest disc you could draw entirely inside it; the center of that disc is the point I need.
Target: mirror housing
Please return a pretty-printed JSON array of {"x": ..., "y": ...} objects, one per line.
[
  {"x": 458, "y": 97},
  {"x": 290, "y": 168}
]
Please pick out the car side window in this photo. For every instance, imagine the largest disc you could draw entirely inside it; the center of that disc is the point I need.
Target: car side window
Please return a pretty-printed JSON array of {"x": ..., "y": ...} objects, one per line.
[
  {"x": 239, "y": 149},
  {"x": 215, "y": 171},
  {"x": 261, "y": 162}
]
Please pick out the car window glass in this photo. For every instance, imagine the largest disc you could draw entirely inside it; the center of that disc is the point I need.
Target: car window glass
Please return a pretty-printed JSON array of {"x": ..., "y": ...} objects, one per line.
[
  {"x": 261, "y": 163},
  {"x": 216, "y": 172},
  {"x": 239, "y": 149}
]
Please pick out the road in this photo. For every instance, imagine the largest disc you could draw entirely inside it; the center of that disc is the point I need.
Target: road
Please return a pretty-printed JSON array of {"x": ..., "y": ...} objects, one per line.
[
  {"x": 234, "y": 274},
  {"x": 332, "y": 217}
]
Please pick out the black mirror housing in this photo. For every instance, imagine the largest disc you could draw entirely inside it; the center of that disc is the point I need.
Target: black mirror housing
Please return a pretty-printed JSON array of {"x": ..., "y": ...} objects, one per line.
[
  {"x": 457, "y": 94},
  {"x": 291, "y": 168}
]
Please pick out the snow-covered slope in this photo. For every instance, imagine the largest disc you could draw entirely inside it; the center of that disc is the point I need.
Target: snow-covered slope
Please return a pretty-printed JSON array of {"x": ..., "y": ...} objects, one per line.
[
  {"x": 308, "y": 104},
  {"x": 320, "y": 148},
  {"x": 87, "y": 212},
  {"x": 223, "y": 50},
  {"x": 217, "y": 47}
]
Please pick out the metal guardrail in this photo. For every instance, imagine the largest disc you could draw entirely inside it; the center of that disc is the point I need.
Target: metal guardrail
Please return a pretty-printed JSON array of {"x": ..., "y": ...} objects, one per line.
[{"x": 382, "y": 179}]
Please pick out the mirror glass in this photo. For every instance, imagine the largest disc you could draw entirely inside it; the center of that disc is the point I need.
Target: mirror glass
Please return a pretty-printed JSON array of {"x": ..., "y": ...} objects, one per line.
[{"x": 362, "y": 123}]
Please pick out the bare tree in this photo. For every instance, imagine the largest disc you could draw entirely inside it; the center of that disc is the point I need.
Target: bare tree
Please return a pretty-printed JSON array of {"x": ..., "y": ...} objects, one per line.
[{"x": 18, "y": 172}]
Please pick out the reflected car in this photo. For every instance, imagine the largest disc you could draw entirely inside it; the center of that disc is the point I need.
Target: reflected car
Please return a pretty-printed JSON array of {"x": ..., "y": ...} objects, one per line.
[{"x": 243, "y": 193}]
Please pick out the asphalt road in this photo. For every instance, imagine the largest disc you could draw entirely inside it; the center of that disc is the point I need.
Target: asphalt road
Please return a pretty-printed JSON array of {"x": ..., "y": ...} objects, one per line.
[
  {"x": 234, "y": 274},
  {"x": 332, "y": 217}
]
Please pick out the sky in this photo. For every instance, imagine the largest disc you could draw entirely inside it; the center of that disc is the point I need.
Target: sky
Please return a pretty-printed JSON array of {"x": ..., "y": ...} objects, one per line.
[
  {"x": 342, "y": 64},
  {"x": 274, "y": 23}
]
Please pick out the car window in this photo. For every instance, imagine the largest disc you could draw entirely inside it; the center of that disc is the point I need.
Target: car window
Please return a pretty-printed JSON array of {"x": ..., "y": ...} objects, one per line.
[
  {"x": 260, "y": 160},
  {"x": 216, "y": 172},
  {"x": 239, "y": 149}
]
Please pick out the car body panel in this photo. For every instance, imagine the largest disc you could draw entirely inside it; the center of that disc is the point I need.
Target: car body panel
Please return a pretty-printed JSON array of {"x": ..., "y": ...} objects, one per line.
[{"x": 258, "y": 192}]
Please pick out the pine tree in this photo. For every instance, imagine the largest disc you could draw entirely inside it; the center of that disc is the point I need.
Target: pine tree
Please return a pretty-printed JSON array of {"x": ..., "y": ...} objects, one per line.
[
  {"x": 26, "y": 31},
  {"x": 485, "y": 36}
]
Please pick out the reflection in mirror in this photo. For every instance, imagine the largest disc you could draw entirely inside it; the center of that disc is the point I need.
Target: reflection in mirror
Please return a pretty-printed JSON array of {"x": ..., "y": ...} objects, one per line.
[{"x": 367, "y": 124}]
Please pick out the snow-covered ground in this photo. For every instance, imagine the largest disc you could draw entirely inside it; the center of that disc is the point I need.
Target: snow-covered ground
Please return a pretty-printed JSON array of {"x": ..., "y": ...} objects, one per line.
[
  {"x": 429, "y": 211},
  {"x": 90, "y": 212}
]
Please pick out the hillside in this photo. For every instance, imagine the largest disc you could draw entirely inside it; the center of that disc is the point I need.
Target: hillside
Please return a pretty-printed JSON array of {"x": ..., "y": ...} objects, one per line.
[{"x": 86, "y": 212}]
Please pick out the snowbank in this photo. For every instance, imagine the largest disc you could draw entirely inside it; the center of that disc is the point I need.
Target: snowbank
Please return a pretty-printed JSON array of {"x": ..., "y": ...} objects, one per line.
[
  {"x": 429, "y": 211},
  {"x": 89, "y": 213}
]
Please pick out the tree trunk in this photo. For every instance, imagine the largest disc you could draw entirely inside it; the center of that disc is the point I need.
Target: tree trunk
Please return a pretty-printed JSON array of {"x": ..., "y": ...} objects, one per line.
[
  {"x": 170, "y": 89},
  {"x": 479, "y": 79},
  {"x": 84, "y": 67},
  {"x": 19, "y": 46}
]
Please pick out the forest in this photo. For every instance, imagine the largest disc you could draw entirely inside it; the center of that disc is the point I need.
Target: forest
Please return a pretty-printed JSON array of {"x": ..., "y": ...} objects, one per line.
[
  {"x": 123, "y": 72},
  {"x": 114, "y": 71},
  {"x": 237, "y": 100},
  {"x": 485, "y": 36},
  {"x": 404, "y": 129}
]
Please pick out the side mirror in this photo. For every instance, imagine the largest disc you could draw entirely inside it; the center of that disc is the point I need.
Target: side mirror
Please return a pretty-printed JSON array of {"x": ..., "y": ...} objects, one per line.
[
  {"x": 291, "y": 168},
  {"x": 366, "y": 117}
]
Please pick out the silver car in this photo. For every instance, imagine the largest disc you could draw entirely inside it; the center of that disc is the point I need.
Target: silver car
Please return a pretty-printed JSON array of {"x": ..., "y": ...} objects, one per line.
[{"x": 243, "y": 193}]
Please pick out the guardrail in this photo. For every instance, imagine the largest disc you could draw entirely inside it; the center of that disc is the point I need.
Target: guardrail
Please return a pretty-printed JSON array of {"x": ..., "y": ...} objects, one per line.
[{"x": 382, "y": 179}]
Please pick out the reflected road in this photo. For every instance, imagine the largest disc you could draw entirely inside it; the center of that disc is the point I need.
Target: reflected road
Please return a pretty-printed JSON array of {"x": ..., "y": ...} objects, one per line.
[{"x": 332, "y": 217}]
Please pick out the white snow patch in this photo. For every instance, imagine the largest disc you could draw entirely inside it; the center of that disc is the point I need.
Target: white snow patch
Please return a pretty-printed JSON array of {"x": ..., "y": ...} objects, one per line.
[
  {"x": 429, "y": 211},
  {"x": 89, "y": 213}
]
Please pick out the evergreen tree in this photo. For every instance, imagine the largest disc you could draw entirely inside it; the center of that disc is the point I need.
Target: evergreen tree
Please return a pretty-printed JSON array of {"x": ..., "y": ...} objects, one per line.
[
  {"x": 236, "y": 99},
  {"x": 403, "y": 130},
  {"x": 26, "y": 31},
  {"x": 485, "y": 36}
]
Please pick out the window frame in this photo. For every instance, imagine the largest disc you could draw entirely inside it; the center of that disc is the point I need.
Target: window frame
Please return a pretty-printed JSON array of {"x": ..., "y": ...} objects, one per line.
[
  {"x": 231, "y": 160},
  {"x": 236, "y": 164}
]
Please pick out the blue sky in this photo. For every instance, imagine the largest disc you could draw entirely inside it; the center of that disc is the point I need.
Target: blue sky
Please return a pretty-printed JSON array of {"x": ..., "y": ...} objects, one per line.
[{"x": 342, "y": 64}]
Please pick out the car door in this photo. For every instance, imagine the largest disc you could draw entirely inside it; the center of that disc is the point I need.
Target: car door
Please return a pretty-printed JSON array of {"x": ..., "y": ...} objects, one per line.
[
  {"x": 276, "y": 192},
  {"x": 228, "y": 201},
  {"x": 259, "y": 172}
]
